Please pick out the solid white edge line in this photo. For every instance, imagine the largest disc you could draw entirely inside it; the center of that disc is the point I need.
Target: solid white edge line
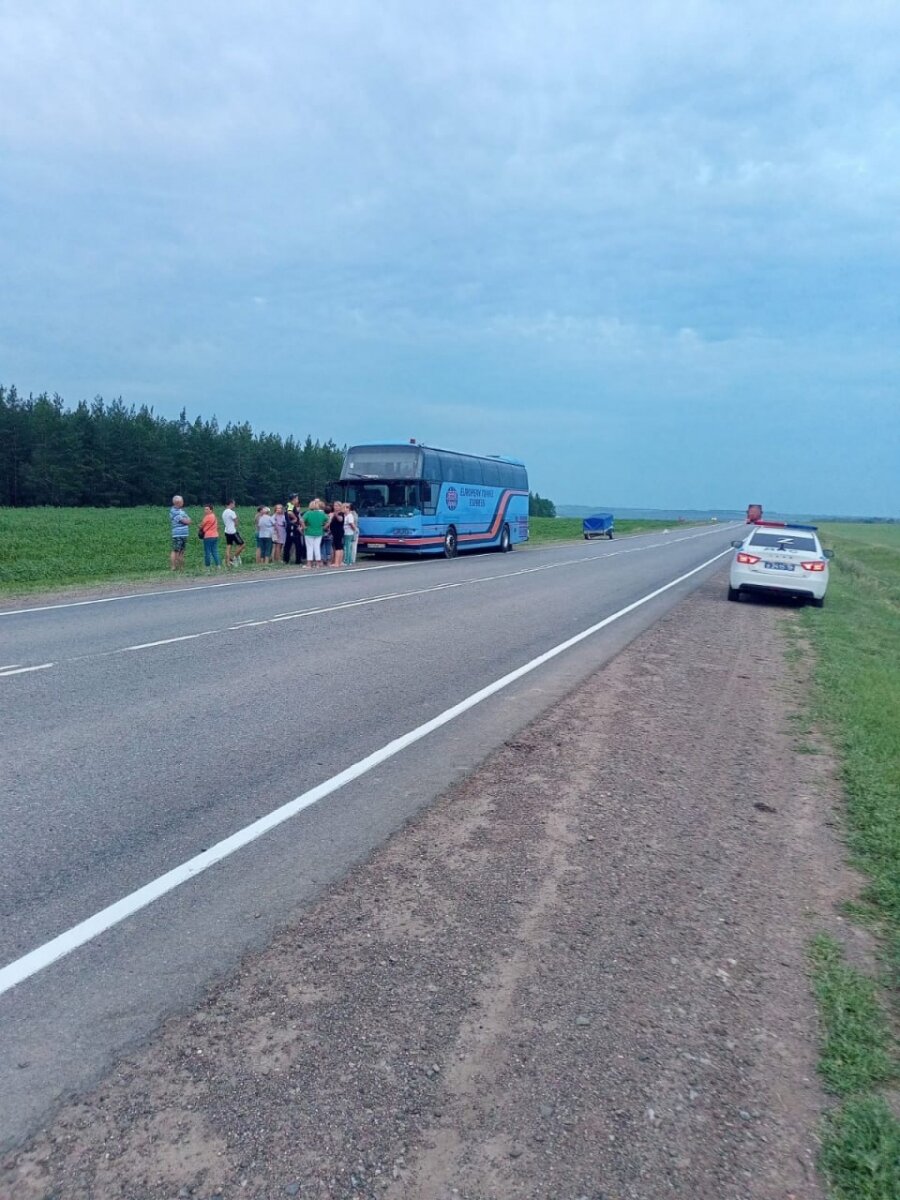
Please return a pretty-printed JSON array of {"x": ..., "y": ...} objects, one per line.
[
  {"x": 29, "y": 964},
  {"x": 25, "y": 670}
]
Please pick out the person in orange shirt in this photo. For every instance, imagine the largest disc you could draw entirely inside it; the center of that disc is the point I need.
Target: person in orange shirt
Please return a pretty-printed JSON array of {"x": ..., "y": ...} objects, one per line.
[{"x": 209, "y": 532}]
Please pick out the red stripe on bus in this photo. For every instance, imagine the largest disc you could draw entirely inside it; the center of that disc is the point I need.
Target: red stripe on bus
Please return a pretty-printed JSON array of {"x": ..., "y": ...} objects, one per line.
[
  {"x": 491, "y": 533},
  {"x": 487, "y": 535},
  {"x": 387, "y": 541}
]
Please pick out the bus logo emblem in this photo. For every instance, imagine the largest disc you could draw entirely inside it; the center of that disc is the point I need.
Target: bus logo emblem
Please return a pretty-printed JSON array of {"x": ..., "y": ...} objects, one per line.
[{"x": 452, "y": 497}]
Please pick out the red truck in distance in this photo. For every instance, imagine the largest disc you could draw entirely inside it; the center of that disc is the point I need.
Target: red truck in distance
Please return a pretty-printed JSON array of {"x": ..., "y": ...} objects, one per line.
[{"x": 754, "y": 513}]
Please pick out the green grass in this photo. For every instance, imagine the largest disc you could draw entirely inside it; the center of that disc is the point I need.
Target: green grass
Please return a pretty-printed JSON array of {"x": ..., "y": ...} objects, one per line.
[
  {"x": 857, "y": 699},
  {"x": 861, "y": 1151},
  {"x": 44, "y": 548},
  {"x": 855, "y": 1054},
  {"x": 47, "y": 548},
  {"x": 857, "y": 638},
  {"x": 567, "y": 529}
]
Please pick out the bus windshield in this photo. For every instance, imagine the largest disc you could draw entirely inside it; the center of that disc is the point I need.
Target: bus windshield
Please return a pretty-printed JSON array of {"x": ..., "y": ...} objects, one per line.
[
  {"x": 382, "y": 462},
  {"x": 384, "y": 498}
]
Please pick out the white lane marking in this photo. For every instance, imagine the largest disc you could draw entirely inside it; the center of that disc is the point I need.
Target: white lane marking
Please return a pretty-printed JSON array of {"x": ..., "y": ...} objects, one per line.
[
  {"x": 24, "y": 670},
  {"x": 296, "y": 614},
  {"x": 185, "y": 637},
  {"x": 9, "y": 666},
  {"x": 438, "y": 587},
  {"x": 280, "y": 578},
  {"x": 198, "y": 587},
  {"x": 365, "y": 600},
  {"x": 85, "y": 931}
]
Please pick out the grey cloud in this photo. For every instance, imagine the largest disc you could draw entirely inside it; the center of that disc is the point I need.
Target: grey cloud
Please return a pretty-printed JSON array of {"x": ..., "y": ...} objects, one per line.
[{"x": 685, "y": 203}]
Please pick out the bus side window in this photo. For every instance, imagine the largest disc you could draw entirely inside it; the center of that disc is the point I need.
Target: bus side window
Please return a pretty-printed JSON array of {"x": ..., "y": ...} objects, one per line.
[
  {"x": 472, "y": 471},
  {"x": 492, "y": 473},
  {"x": 431, "y": 466},
  {"x": 430, "y": 497}
]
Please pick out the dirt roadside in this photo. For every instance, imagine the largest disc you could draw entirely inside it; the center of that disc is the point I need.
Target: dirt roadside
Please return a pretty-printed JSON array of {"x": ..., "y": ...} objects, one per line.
[{"x": 580, "y": 974}]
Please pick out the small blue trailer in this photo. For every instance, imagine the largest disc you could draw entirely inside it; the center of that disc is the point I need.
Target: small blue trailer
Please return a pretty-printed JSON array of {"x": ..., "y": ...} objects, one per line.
[{"x": 599, "y": 525}]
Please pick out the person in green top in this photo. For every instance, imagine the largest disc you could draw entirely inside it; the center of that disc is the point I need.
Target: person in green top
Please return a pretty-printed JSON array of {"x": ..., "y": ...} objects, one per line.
[{"x": 314, "y": 519}]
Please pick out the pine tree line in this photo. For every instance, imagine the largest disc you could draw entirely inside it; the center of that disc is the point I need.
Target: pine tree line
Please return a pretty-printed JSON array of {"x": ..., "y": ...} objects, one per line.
[
  {"x": 115, "y": 454},
  {"x": 540, "y": 506}
]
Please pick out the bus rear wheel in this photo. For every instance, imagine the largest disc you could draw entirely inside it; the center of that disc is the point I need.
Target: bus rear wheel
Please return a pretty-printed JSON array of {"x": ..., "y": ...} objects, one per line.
[
  {"x": 450, "y": 545},
  {"x": 505, "y": 543}
]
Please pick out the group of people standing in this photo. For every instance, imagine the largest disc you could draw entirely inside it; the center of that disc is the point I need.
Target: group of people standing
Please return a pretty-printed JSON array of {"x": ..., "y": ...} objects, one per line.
[{"x": 318, "y": 535}]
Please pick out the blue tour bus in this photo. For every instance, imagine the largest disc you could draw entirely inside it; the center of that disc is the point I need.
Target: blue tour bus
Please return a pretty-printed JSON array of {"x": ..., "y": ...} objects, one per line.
[{"x": 418, "y": 499}]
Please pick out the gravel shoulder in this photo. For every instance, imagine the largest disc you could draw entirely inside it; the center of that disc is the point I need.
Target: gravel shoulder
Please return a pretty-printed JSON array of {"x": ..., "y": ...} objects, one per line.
[{"x": 581, "y": 973}]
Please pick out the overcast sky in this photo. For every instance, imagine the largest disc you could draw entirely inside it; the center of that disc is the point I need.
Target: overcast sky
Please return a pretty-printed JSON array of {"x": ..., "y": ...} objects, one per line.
[{"x": 650, "y": 248}]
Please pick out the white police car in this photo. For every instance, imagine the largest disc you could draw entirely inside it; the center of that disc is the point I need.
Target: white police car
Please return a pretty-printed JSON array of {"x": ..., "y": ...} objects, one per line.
[{"x": 780, "y": 559}]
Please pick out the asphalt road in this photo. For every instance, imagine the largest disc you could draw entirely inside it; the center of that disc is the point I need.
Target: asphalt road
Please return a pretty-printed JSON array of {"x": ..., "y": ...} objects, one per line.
[{"x": 157, "y": 725}]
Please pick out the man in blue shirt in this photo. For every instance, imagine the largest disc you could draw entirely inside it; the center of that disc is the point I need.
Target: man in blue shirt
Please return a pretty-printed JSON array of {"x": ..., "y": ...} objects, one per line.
[{"x": 180, "y": 522}]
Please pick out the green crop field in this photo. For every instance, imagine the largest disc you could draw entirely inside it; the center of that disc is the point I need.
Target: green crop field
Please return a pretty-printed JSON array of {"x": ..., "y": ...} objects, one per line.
[
  {"x": 46, "y": 548},
  {"x": 857, "y": 642}
]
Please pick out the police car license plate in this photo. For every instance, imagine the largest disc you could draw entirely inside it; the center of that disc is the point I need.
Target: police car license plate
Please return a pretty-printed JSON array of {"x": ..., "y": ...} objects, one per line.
[{"x": 778, "y": 566}]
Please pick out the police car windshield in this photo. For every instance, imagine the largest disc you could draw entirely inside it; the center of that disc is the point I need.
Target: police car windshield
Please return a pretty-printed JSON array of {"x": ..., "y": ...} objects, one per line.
[{"x": 785, "y": 539}]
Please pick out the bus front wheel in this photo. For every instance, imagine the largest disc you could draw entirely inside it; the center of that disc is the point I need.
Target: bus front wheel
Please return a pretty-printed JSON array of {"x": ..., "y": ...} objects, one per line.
[
  {"x": 505, "y": 543},
  {"x": 450, "y": 546}
]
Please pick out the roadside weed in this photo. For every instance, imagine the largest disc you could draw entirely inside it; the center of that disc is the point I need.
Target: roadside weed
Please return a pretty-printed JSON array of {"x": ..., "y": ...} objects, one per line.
[
  {"x": 855, "y": 1052},
  {"x": 857, "y": 637},
  {"x": 857, "y": 699},
  {"x": 861, "y": 1151}
]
